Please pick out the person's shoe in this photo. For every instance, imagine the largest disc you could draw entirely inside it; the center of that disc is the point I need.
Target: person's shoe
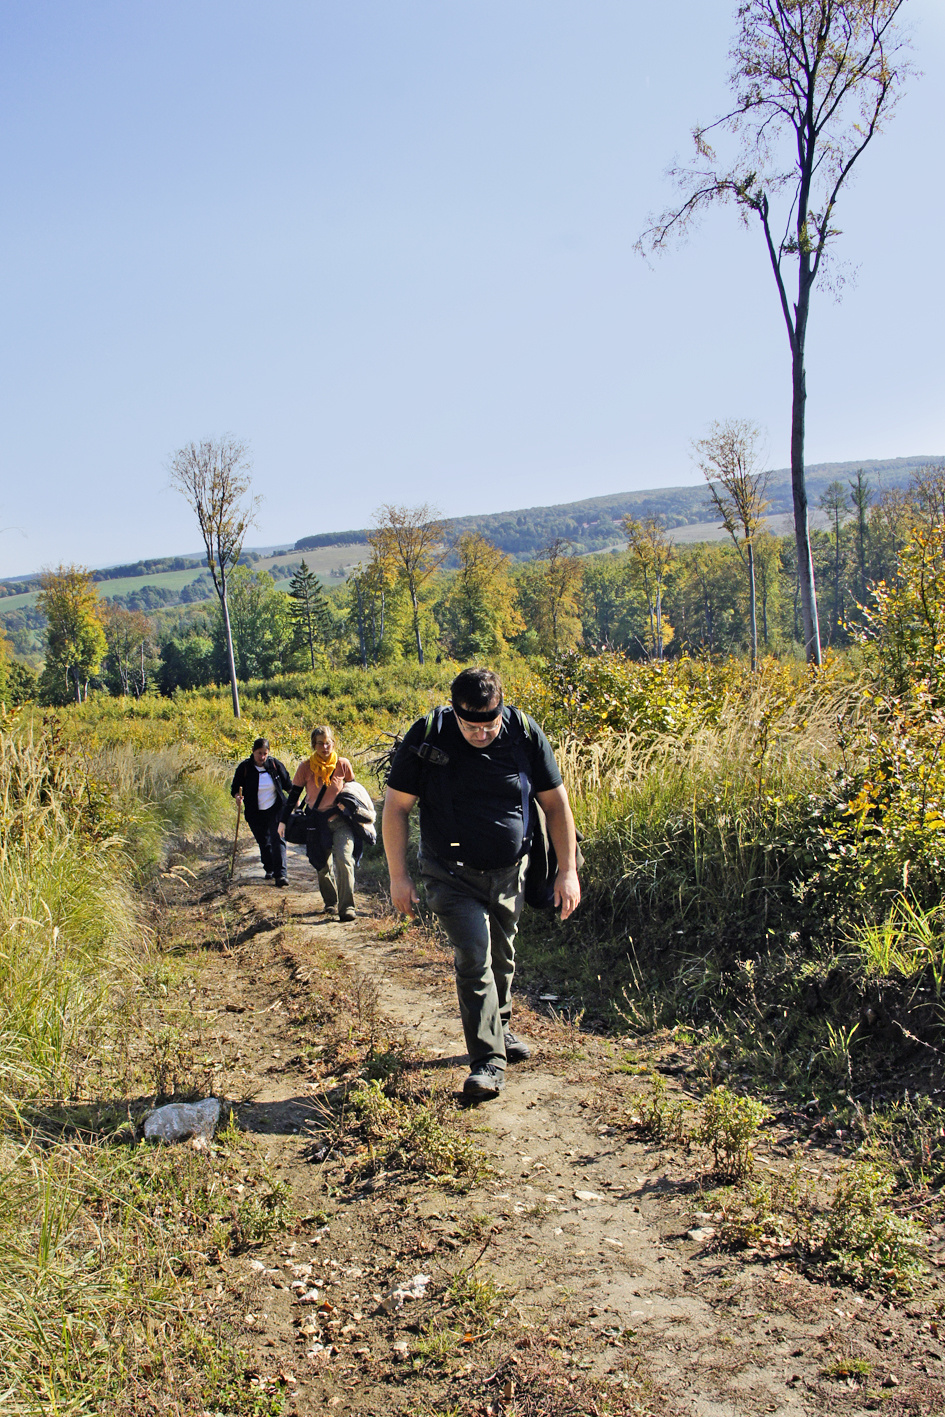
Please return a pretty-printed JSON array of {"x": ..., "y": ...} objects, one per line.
[
  {"x": 485, "y": 1080},
  {"x": 281, "y": 881},
  {"x": 349, "y": 914},
  {"x": 268, "y": 876},
  {"x": 516, "y": 1049}
]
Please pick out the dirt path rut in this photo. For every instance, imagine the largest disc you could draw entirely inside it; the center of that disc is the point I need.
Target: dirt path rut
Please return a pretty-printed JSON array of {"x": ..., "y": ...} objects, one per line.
[{"x": 606, "y": 1291}]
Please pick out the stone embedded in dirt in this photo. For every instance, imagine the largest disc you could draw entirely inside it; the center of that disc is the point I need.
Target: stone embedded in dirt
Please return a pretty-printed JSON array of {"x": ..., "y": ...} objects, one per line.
[
  {"x": 701, "y": 1234},
  {"x": 416, "y": 1289},
  {"x": 588, "y": 1196},
  {"x": 183, "y": 1121}
]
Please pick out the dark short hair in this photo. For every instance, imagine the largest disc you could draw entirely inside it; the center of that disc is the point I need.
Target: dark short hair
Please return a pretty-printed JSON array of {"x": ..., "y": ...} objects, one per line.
[
  {"x": 477, "y": 688},
  {"x": 261, "y": 743}
]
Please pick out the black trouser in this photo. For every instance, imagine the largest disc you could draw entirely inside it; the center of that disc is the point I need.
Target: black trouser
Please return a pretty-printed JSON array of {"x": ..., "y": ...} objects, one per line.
[{"x": 265, "y": 828}]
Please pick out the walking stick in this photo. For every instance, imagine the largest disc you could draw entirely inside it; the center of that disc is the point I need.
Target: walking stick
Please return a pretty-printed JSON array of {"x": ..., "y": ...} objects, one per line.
[{"x": 239, "y": 808}]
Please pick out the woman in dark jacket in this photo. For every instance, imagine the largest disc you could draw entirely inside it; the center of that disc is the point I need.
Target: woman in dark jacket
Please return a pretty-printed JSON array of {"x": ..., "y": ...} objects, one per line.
[{"x": 261, "y": 783}]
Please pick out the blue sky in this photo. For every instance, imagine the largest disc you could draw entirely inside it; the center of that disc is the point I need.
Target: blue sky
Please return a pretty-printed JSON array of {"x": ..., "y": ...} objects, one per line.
[{"x": 389, "y": 243}]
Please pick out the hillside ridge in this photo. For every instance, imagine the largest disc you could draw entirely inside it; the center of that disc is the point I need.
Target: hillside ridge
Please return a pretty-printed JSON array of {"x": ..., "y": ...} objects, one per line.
[{"x": 591, "y": 523}]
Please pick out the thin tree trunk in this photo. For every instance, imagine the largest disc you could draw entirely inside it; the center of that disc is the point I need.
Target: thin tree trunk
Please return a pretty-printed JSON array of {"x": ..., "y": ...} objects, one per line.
[
  {"x": 798, "y": 340},
  {"x": 837, "y": 606},
  {"x": 659, "y": 621},
  {"x": 764, "y": 610},
  {"x": 358, "y": 593},
  {"x": 231, "y": 662},
  {"x": 752, "y": 607},
  {"x": 805, "y": 561}
]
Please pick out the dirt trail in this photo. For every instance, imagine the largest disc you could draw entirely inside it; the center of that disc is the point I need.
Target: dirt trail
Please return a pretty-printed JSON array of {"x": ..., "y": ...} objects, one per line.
[{"x": 590, "y": 1238}]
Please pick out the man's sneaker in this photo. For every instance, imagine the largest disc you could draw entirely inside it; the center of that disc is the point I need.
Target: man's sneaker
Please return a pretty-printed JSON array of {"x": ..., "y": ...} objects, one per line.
[
  {"x": 268, "y": 876},
  {"x": 485, "y": 1080},
  {"x": 516, "y": 1049},
  {"x": 281, "y": 881}
]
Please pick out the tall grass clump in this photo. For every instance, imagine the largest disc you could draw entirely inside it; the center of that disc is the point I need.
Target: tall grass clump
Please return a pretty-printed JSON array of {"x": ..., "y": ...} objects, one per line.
[
  {"x": 93, "y": 1302},
  {"x": 162, "y": 799},
  {"x": 66, "y": 921},
  {"x": 710, "y": 888},
  {"x": 698, "y": 836}
]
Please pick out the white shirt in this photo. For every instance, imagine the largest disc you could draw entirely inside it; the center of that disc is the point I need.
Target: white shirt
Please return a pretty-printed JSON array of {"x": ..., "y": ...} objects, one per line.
[{"x": 267, "y": 789}]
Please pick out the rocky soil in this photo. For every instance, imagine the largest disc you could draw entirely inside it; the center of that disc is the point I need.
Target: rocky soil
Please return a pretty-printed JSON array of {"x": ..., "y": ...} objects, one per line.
[{"x": 578, "y": 1275}]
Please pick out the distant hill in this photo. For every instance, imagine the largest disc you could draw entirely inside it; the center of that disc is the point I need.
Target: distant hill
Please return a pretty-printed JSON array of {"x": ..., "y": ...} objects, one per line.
[{"x": 592, "y": 524}]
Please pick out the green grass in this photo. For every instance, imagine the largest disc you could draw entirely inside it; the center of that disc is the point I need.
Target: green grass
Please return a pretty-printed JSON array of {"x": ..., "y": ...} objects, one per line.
[{"x": 98, "y": 1239}]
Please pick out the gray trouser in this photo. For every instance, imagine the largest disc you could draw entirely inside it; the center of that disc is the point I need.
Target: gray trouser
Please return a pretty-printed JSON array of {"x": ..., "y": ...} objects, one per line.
[
  {"x": 336, "y": 879},
  {"x": 479, "y": 910}
]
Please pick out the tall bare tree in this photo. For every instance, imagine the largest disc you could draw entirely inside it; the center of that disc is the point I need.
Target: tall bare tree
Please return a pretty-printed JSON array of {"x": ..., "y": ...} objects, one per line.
[
  {"x": 813, "y": 81},
  {"x": 653, "y": 553},
  {"x": 214, "y": 477},
  {"x": 730, "y": 462},
  {"x": 412, "y": 540}
]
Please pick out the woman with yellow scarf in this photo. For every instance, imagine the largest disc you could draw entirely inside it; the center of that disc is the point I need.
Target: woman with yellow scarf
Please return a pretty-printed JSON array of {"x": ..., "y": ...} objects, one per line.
[{"x": 330, "y": 840}]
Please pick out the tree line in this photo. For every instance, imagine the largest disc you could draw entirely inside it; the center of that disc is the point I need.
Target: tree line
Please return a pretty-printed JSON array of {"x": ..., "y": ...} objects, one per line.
[{"x": 650, "y": 600}]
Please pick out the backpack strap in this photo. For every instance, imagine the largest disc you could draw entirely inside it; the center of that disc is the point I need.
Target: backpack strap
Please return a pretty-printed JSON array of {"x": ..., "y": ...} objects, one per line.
[
  {"x": 432, "y": 756},
  {"x": 524, "y": 764},
  {"x": 428, "y": 752}
]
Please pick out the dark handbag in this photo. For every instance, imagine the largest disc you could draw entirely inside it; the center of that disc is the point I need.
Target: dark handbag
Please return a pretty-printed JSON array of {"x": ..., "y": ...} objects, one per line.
[{"x": 297, "y": 822}]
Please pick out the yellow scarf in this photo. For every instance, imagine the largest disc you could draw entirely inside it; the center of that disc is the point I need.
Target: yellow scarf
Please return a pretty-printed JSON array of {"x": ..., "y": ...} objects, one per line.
[{"x": 322, "y": 768}]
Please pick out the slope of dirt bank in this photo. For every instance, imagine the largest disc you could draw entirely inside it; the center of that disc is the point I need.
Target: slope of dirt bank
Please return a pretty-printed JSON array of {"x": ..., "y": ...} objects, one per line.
[{"x": 577, "y": 1276}]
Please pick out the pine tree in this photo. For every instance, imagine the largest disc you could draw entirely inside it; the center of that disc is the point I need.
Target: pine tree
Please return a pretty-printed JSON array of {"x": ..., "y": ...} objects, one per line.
[{"x": 309, "y": 609}]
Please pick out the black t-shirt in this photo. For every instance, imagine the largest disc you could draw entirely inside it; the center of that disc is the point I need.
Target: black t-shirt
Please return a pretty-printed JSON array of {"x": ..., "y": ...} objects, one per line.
[{"x": 471, "y": 807}]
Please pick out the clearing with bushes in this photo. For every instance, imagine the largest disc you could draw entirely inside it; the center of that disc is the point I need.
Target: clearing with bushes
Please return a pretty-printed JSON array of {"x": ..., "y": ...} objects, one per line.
[{"x": 715, "y": 1188}]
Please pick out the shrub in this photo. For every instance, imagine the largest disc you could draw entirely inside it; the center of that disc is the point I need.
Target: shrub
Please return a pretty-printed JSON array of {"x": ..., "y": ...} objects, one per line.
[{"x": 729, "y": 1126}]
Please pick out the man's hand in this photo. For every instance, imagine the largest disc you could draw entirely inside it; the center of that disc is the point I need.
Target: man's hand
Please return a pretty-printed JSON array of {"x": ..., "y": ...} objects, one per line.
[
  {"x": 281, "y": 830},
  {"x": 239, "y": 797},
  {"x": 567, "y": 894},
  {"x": 403, "y": 894},
  {"x": 557, "y": 809}
]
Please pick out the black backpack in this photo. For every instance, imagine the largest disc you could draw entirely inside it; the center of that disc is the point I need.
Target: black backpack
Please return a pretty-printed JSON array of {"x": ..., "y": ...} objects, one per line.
[{"x": 542, "y": 859}]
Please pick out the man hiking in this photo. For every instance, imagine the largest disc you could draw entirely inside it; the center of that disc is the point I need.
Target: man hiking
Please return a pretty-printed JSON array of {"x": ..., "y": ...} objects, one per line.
[
  {"x": 261, "y": 783},
  {"x": 473, "y": 767}
]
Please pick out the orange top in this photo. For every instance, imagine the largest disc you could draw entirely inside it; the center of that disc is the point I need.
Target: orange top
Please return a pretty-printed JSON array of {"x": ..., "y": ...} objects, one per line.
[{"x": 304, "y": 777}]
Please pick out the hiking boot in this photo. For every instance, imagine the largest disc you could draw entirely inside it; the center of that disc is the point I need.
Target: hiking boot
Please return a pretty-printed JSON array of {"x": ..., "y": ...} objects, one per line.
[
  {"x": 268, "y": 876},
  {"x": 516, "y": 1049},
  {"x": 281, "y": 881},
  {"x": 485, "y": 1080},
  {"x": 349, "y": 914}
]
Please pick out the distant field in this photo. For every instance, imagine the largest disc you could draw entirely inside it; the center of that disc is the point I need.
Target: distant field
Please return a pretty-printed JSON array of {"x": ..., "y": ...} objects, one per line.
[
  {"x": 168, "y": 580},
  {"x": 781, "y": 524},
  {"x": 322, "y": 560},
  {"x": 17, "y": 602}
]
